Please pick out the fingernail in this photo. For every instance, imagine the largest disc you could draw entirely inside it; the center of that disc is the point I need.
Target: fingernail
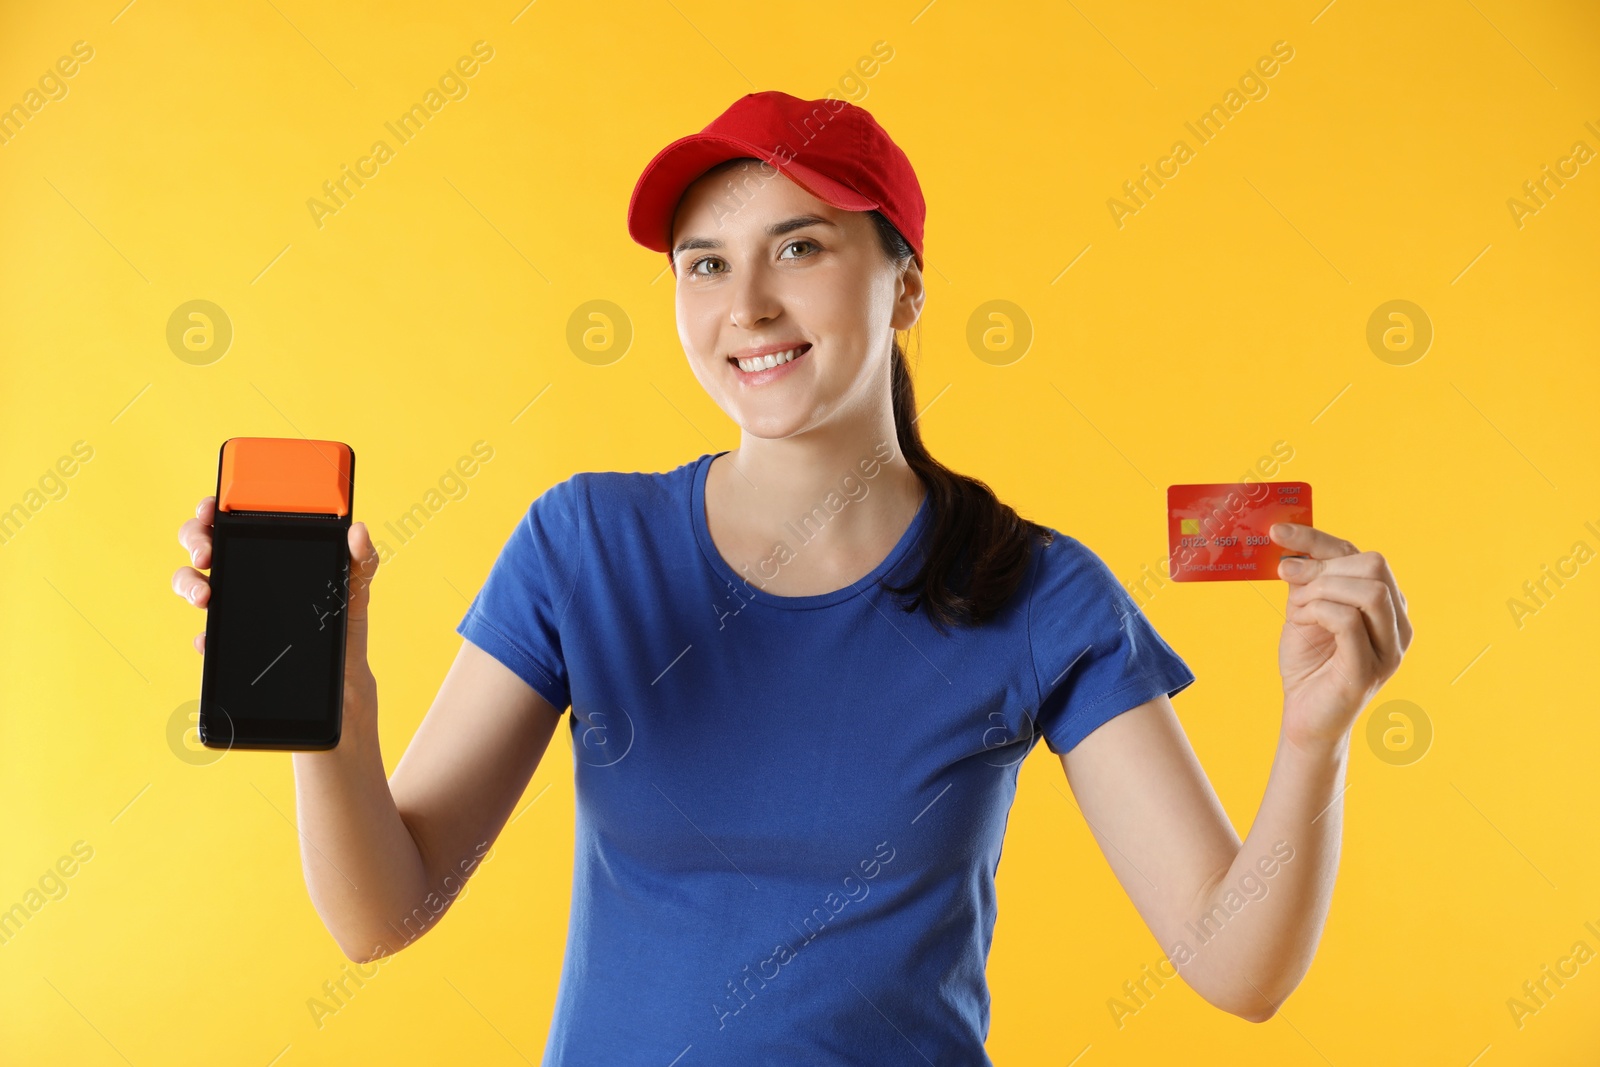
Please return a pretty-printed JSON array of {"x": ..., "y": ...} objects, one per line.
[
  {"x": 1280, "y": 529},
  {"x": 194, "y": 556},
  {"x": 1289, "y": 567},
  {"x": 192, "y": 594}
]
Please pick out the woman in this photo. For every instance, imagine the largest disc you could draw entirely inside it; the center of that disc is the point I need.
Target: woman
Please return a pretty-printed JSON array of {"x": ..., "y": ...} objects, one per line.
[{"x": 804, "y": 674}]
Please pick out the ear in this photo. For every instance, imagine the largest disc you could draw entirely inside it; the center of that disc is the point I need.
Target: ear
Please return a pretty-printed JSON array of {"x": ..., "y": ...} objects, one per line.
[{"x": 909, "y": 295}]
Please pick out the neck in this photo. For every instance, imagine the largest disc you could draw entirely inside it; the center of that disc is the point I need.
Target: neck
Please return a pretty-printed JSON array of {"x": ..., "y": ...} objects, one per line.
[{"x": 836, "y": 488}]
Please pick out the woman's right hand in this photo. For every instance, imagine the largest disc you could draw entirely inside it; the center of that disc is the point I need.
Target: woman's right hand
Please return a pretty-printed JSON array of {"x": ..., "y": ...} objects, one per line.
[{"x": 188, "y": 582}]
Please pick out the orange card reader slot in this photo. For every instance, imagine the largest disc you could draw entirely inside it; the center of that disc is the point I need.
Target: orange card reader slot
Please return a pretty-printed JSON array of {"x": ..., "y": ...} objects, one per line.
[{"x": 285, "y": 474}]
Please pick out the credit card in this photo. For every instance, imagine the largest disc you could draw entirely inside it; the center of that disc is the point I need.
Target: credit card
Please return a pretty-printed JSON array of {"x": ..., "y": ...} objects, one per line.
[{"x": 1219, "y": 533}]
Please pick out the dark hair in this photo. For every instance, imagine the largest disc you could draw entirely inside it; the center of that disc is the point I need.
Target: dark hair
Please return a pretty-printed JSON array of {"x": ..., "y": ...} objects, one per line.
[{"x": 978, "y": 547}]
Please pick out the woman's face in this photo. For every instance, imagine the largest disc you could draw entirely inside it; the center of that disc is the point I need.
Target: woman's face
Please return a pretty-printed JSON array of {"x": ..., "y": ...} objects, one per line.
[{"x": 772, "y": 266}]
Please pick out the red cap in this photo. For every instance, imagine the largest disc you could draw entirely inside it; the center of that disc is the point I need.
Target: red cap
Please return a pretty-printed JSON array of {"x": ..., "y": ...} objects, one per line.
[{"x": 831, "y": 148}]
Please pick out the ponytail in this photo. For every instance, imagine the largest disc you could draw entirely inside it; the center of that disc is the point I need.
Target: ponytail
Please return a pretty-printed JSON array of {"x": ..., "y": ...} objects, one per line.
[{"x": 978, "y": 547}]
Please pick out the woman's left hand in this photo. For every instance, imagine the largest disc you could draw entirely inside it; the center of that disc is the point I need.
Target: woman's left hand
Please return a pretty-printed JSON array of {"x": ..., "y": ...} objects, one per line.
[{"x": 1346, "y": 631}]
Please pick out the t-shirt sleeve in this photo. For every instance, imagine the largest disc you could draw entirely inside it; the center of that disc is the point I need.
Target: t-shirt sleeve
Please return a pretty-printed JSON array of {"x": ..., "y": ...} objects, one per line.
[
  {"x": 516, "y": 616},
  {"x": 1095, "y": 655}
]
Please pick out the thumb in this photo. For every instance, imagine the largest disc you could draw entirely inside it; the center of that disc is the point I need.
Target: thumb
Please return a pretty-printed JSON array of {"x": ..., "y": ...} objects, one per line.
[{"x": 363, "y": 568}]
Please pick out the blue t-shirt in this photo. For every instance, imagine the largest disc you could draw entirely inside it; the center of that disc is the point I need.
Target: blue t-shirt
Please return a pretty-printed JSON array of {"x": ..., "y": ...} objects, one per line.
[{"x": 790, "y": 810}]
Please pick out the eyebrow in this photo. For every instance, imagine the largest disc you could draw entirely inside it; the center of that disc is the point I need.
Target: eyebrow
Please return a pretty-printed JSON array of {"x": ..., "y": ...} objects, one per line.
[{"x": 777, "y": 229}]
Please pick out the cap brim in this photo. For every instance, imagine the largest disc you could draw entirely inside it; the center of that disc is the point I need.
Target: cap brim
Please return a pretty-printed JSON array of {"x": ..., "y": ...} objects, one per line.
[{"x": 675, "y": 168}]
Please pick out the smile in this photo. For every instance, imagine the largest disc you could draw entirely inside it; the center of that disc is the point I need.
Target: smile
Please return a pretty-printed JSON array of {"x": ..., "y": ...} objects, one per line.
[{"x": 769, "y": 362}]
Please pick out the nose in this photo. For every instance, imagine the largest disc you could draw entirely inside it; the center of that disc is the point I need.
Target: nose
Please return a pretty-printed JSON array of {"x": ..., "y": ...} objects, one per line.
[{"x": 754, "y": 299}]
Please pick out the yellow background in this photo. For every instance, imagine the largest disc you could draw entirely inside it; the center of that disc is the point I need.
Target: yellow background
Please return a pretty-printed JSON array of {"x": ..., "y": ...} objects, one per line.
[{"x": 1228, "y": 314}]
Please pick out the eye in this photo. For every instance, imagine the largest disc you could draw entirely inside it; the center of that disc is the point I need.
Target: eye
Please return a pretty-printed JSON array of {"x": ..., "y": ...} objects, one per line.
[{"x": 694, "y": 268}]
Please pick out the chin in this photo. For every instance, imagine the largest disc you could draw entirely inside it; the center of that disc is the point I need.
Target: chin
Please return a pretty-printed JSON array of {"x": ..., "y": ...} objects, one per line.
[{"x": 771, "y": 426}]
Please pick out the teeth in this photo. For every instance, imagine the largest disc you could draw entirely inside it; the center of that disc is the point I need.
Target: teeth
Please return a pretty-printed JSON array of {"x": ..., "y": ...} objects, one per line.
[{"x": 768, "y": 362}]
